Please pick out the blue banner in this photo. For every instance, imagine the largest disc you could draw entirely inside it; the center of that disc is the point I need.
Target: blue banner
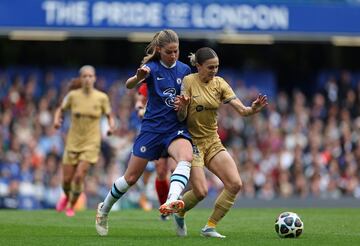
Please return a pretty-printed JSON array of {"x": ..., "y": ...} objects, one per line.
[{"x": 191, "y": 16}]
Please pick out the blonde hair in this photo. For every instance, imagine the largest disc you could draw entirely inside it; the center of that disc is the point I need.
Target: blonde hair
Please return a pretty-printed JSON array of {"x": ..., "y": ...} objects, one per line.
[
  {"x": 160, "y": 39},
  {"x": 85, "y": 67},
  {"x": 192, "y": 59}
]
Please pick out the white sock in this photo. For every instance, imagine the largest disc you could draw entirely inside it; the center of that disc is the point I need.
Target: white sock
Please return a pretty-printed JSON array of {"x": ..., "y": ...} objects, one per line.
[
  {"x": 178, "y": 180},
  {"x": 118, "y": 189}
]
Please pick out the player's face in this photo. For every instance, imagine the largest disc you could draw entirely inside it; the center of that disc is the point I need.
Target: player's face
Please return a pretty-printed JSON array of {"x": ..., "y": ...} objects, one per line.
[
  {"x": 169, "y": 53},
  {"x": 209, "y": 68},
  {"x": 88, "y": 78}
]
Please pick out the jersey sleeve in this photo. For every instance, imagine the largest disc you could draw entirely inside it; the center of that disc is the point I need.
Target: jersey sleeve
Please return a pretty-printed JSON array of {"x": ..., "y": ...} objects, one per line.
[
  {"x": 185, "y": 87},
  {"x": 66, "y": 102},
  {"x": 106, "y": 105},
  {"x": 227, "y": 93}
]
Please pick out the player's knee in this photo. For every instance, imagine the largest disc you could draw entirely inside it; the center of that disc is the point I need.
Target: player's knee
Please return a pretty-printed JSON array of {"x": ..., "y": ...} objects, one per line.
[
  {"x": 67, "y": 179},
  {"x": 78, "y": 179},
  {"x": 235, "y": 187},
  {"x": 161, "y": 175},
  {"x": 201, "y": 193},
  {"x": 131, "y": 179},
  {"x": 187, "y": 157}
]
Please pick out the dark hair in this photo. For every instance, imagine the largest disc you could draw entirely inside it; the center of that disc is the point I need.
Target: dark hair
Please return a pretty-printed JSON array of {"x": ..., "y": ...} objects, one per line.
[
  {"x": 160, "y": 39},
  {"x": 202, "y": 55},
  {"x": 75, "y": 83}
]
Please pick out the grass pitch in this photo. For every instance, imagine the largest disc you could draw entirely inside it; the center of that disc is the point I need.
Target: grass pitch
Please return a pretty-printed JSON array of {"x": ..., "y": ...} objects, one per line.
[{"x": 135, "y": 227}]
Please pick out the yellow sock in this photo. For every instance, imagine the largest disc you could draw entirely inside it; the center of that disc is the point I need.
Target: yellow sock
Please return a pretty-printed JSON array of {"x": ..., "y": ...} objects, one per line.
[
  {"x": 67, "y": 189},
  {"x": 190, "y": 201},
  {"x": 211, "y": 223},
  {"x": 76, "y": 190},
  {"x": 222, "y": 205}
]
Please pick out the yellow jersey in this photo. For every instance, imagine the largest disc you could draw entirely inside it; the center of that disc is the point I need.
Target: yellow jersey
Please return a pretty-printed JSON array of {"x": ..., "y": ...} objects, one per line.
[
  {"x": 86, "y": 112},
  {"x": 204, "y": 103}
]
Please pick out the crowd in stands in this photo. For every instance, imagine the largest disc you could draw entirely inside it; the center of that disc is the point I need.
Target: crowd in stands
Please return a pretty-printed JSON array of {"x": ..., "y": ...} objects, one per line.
[{"x": 300, "y": 146}]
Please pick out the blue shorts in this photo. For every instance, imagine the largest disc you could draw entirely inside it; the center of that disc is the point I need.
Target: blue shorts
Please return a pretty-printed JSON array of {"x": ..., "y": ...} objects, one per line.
[{"x": 150, "y": 145}]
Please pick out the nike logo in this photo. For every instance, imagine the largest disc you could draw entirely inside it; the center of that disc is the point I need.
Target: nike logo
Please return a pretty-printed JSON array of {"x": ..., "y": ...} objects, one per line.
[
  {"x": 196, "y": 96},
  {"x": 159, "y": 78}
]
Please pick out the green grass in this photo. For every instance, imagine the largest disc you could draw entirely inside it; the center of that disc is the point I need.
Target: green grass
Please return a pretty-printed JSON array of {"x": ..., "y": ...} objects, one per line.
[{"x": 135, "y": 227}]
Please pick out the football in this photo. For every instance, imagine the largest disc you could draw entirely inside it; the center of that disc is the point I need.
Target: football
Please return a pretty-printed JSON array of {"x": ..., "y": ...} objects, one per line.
[{"x": 289, "y": 225}]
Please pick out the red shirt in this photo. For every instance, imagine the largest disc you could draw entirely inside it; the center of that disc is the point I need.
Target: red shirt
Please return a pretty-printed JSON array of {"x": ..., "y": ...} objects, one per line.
[{"x": 143, "y": 90}]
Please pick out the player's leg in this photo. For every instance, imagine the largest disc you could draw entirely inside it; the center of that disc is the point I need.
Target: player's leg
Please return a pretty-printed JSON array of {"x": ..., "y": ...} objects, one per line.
[
  {"x": 199, "y": 189},
  {"x": 68, "y": 170},
  {"x": 143, "y": 201},
  {"x": 68, "y": 173},
  {"x": 77, "y": 185},
  {"x": 161, "y": 181},
  {"x": 181, "y": 150},
  {"x": 224, "y": 167},
  {"x": 135, "y": 169},
  {"x": 191, "y": 198}
]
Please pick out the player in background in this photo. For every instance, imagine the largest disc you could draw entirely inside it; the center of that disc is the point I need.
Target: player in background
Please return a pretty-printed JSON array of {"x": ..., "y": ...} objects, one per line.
[
  {"x": 162, "y": 165},
  {"x": 160, "y": 128},
  {"x": 201, "y": 95},
  {"x": 82, "y": 147}
]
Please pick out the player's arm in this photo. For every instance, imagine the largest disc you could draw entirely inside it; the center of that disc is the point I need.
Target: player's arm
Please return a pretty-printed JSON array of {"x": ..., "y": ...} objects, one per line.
[
  {"x": 58, "y": 117},
  {"x": 59, "y": 112},
  {"x": 141, "y": 74},
  {"x": 256, "y": 106},
  {"x": 140, "y": 105},
  {"x": 111, "y": 122},
  {"x": 182, "y": 103}
]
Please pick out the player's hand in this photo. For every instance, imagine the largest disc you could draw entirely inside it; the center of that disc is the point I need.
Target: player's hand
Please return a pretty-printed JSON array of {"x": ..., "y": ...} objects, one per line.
[
  {"x": 259, "y": 103},
  {"x": 110, "y": 131},
  {"x": 57, "y": 123},
  {"x": 142, "y": 73},
  {"x": 181, "y": 102},
  {"x": 140, "y": 113}
]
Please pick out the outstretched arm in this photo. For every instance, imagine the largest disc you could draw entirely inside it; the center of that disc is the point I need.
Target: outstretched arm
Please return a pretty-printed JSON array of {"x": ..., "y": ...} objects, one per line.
[
  {"x": 141, "y": 74},
  {"x": 256, "y": 106}
]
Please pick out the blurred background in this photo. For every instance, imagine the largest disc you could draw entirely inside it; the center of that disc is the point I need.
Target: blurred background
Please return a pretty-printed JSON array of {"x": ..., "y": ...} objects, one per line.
[{"x": 304, "y": 54}]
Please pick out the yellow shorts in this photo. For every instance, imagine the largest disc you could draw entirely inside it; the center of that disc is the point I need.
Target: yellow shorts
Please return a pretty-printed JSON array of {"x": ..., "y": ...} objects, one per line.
[
  {"x": 206, "y": 149},
  {"x": 73, "y": 158}
]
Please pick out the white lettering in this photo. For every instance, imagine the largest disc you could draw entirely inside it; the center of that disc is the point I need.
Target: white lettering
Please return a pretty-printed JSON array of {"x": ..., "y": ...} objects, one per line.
[
  {"x": 158, "y": 14},
  {"x": 245, "y": 16},
  {"x": 177, "y": 15},
  {"x": 280, "y": 17},
  {"x": 61, "y": 13},
  {"x": 196, "y": 14},
  {"x": 213, "y": 16},
  {"x": 240, "y": 17},
  {"x": 127, "y": 14}
]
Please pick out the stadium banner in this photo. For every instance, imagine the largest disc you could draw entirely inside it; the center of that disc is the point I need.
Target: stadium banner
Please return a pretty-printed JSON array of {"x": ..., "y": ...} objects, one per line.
[{"x": 188, "y": 15}]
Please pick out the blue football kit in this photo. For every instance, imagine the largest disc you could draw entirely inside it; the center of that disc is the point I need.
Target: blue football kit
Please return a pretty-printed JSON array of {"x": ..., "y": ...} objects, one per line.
[{"x": 160, "y": 125}]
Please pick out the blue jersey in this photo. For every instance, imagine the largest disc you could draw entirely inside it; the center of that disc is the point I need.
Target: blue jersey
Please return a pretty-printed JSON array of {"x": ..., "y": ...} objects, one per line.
[{"x": 164, "y": 85}]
